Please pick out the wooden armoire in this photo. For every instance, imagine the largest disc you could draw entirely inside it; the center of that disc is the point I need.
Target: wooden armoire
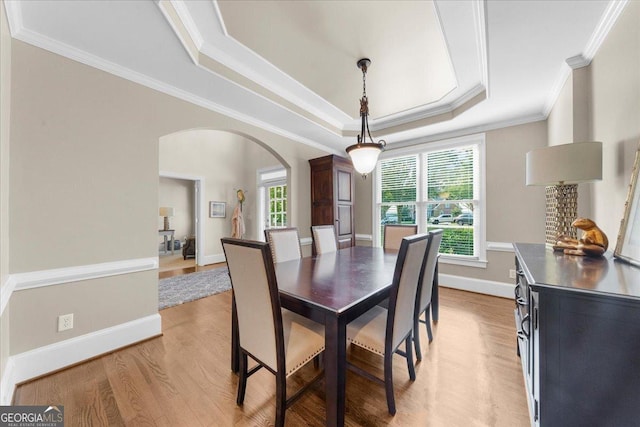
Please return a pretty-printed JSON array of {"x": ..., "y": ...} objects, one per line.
[{"x": 332, "y": 196}]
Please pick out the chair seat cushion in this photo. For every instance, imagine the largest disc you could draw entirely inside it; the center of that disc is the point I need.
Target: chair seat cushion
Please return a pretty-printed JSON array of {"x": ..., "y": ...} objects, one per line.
[
  {"x": 303, "y": 340},
  {"x": 368, "y": 331}
]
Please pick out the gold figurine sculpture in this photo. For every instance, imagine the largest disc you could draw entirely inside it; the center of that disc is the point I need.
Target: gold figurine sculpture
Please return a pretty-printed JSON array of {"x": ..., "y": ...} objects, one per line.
[{"x": 593, "y": 242}]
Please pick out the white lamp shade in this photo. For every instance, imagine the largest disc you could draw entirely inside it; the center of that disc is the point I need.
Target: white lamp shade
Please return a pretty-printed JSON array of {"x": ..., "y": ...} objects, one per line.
[
  {"x": 364, "y": 158},
  {"x": 566, "y": 164},
  {"x": 166, "y": 211}
]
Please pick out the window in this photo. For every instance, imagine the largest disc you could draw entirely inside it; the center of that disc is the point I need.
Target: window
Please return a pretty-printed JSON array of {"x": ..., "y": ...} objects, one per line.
[
  {"x": 277, "y": 215},
  {"x": 272, "y": 184},
  {"x": 436, "y": 185}
]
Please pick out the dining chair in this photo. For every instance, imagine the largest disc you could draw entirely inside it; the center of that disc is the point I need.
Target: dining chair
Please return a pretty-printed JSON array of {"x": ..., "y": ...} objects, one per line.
[
  {"x": 277, "y": 339},
  {"x": 393, "y": 234},
  {"x": 425, "y": 290},
  {"x": 284, "y": 243},
  {"x": 324, "y": 238},
  {"x": 382, "y": 330}
]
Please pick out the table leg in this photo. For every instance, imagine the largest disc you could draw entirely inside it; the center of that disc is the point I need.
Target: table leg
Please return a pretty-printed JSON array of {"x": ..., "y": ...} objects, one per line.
[
  {"x": 172, "y": 244},
  {"x": 164, "y": 247},
  {"x": 435, "y": 297},
  {"x": 335, "y": 367}
]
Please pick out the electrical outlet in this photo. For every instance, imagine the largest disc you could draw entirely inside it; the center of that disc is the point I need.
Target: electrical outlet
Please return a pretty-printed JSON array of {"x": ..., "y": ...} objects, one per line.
[
  {"x": 512, "y": 274},
  {"x": 65, "y": 322}
]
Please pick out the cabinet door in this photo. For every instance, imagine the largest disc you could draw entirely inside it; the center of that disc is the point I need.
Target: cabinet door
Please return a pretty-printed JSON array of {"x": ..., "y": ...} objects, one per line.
[
  {"x": 322, "y": 197},
  {"x": 344, "y": 207}
]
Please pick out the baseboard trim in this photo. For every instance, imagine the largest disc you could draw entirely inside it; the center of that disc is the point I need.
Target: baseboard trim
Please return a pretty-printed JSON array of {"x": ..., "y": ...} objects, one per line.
[
  {"x": 213, "y": 259},
  {"x": 43, "y": 360},
  {"x": 488, "y": 287}
]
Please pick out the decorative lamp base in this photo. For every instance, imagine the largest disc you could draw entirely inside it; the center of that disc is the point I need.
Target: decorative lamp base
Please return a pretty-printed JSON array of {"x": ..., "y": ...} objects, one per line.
[
  {"x": 166, "y": 223},
  {"x": 561, "y": 211}
]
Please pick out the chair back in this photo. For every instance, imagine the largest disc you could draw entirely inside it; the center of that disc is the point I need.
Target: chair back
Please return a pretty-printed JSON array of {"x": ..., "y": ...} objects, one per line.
[
  {"x": 393, "y": 234},
  {"x": 426, "y": 285},
  {"x": 324, "y": 238},
  {"x": 255, "y": 291},
  {"x": 402, "y": 300},
  {"x": 284, "y": 243}
]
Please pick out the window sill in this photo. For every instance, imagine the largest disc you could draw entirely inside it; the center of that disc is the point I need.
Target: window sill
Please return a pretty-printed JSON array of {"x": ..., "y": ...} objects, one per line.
[{"x": 466, "y": 262}]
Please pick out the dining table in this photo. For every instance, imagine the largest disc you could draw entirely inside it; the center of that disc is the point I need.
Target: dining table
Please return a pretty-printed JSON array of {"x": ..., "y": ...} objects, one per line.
[{"x": 334, "y": 289}]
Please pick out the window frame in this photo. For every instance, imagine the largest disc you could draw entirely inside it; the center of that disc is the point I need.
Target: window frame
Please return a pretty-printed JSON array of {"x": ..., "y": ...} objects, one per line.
[
  {"x": 267, "y": 177},
  {"x": 480, "y": 243}
]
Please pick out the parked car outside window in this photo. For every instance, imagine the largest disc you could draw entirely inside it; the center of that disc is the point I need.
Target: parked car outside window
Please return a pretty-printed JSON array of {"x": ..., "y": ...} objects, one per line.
[
  {"x": 464, "y": 219},
  {"x": 442, "y": 219}
]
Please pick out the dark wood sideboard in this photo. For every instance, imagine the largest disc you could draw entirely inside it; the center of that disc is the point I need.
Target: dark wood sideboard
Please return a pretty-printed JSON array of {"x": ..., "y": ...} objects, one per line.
[{"x": 578, "y": 322}]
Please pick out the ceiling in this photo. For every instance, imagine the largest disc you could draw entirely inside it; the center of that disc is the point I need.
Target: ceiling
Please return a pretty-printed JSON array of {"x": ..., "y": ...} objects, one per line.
[{"x": 439, "y": 68}]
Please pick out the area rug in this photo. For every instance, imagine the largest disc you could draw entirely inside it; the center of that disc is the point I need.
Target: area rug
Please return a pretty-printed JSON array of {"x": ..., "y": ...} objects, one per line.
[{"x": 189, "y": 287}]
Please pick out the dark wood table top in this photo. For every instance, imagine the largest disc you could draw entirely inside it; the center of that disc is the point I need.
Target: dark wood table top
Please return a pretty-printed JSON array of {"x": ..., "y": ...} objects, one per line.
[{"x": 336, "y": 282}]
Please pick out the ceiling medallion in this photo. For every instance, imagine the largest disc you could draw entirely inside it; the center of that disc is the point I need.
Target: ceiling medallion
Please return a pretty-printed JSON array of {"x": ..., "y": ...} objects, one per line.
[{"x": 364, "y": 155}]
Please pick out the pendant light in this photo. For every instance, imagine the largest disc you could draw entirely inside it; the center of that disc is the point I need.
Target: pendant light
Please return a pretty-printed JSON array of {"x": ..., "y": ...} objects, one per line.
[{"x": 364, "y": 155}]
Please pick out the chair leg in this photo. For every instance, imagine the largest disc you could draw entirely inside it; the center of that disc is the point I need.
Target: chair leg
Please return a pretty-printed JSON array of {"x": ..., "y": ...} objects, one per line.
[
  {"x": 242, "y": 379},
  {"x": 412, "y": 369},
  {"x": 281, "y": 398},
  {"x": 388, "y": 382},
  {"x": 416, "y": 337},
  {"x": 427, "y": 321}
]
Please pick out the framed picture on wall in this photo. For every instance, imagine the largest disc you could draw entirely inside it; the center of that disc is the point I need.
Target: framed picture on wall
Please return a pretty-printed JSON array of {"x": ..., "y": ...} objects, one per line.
[
  {"x": 628, "y": 247},
  {"x": 217, "y": 209}
]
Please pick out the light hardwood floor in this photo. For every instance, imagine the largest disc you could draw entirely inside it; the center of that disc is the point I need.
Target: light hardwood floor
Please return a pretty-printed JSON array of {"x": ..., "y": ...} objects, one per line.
[{"x": 469, "y": 376}]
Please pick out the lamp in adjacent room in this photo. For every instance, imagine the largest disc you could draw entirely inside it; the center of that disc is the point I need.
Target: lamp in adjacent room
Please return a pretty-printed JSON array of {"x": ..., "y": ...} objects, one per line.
[
  {"x": 560, "y": 168},
  {"x": 166, "y": 212},
  {"x": 364, "y": 155}
]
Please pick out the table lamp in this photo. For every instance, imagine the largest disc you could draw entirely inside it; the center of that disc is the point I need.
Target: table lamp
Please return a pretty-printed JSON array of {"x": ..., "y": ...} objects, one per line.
[
  {"x": 166, "y": 212},
  {"x": 560, "y": 168}
]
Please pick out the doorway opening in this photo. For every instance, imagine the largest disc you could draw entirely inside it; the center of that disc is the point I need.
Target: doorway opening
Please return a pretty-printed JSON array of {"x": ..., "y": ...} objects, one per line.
[{"x": 186, "y": 193}]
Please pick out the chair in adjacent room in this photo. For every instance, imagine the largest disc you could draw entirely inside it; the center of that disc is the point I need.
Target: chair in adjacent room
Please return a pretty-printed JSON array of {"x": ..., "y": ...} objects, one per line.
[
  {"x": 284, "y": 243},
  {"x": 189, "y": 249},
  {"x": 382, "y": 330},
  {"x": 277, "y": 339},
  {"x": 425, "y": 290},
  {"x": 324, "y": 239},
  {"x": 393, "y": 234}
]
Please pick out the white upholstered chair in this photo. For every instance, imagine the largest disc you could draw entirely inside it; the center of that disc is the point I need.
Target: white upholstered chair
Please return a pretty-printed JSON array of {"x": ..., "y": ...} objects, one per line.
[
  {"x": 284, "y": 243},
  {"x": 425, "y": 290},
  {"x": 382, "y": 330},
  {"x": 393, "y": 234},
  {"x": 277, "y": 339},
  {"x": 324, "y": 238}
]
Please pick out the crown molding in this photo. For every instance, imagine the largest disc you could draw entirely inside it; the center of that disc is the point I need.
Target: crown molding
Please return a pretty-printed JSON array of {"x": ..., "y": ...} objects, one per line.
[
  {"x": 578, "y": 61},
  {"x": 289, "y": 94},
  {"x": 62, "y": 49},
  {"x": 609, "y": 18},
  {"x": 419, "y": 139}
]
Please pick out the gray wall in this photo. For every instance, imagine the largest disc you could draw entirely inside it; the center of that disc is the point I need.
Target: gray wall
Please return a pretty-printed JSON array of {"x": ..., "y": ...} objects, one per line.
[
  {"x": 84, "y": 188},
  {"x": 601, "y": 102},
  {"x": 5, "y": 102}
]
